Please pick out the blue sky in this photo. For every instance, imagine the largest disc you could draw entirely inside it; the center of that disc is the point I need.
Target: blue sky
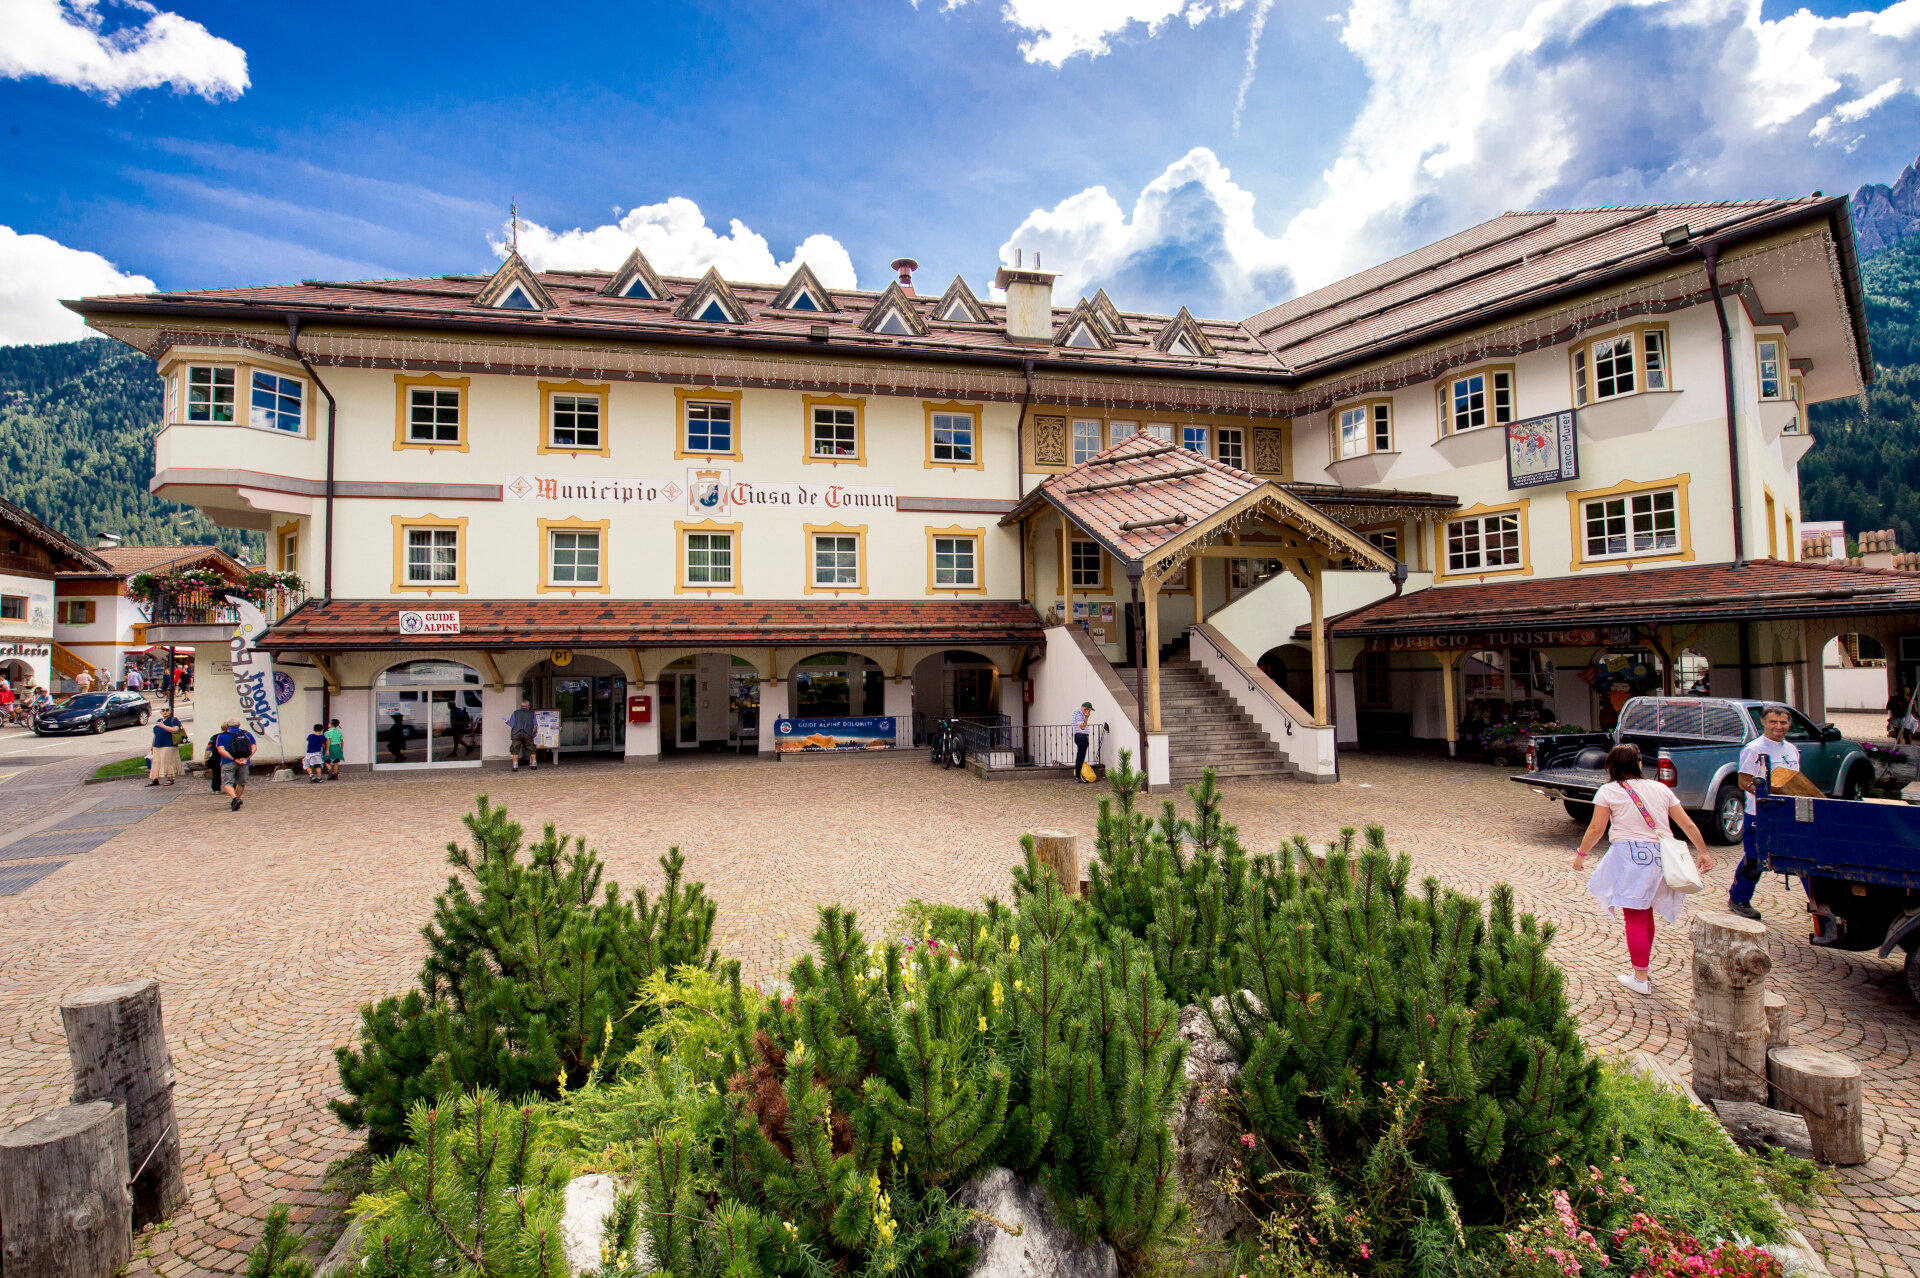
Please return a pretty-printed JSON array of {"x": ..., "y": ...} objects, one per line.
[{"x": 1221, "y": 153}]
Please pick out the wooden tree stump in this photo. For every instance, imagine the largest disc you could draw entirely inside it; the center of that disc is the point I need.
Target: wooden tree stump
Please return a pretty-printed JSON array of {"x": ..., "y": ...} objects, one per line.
[
  {"x": 1779, "y": 1031},
  {"x": 1728, "y": 1030},
  {"x": 64, "y": 1207},
  {"x": 118, "y": 1049},
  {"x": 1824, "y": 1089},
  {"x": 1059, "y": 851}
]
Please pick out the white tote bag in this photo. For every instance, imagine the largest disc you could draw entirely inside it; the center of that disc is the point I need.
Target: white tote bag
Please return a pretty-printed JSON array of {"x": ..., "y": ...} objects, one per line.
[{"x": 1676, "y": 858}]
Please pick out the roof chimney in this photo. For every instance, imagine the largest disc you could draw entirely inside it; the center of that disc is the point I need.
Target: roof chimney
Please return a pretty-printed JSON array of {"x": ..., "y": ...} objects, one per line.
[
  {"x": 105, "y": 540},
  {"x": 1029, "y": 300},
  {"x": 906, "y": 266}
]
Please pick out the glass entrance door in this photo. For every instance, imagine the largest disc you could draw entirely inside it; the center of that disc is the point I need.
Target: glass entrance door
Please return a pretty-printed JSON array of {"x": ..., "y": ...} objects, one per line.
[
  {"x": 687, "y": 707},
  {"x": 402, "y": 717}
]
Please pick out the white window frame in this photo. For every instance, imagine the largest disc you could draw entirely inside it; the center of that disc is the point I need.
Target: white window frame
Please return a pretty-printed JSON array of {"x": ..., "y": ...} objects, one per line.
[
  {"x": 1230, "y": 446},
  {"x": 279, "y": 390},
  {"x": 435, "y": 400},
  {"x": 574, "y": 402},
  {"x": 1358, "y": 429},
  {"x": 554, "y": 577},
  {"x": 290, "y": 552},
  {"x": 1495, "y": 405},
  {"x": 434, "y": 535},
  {"x": 953, "y": 543},
  {"x": 1086, "y": 438},
  {"x": 1194, "y": 439},
  {"x": 836, "y": 418},
  {"x": 1778, "y": 362},
  {"x": 1638, "y": 517},
  {"x": 1640, "y": 356},
  {"x": 959, "y": 452},
  {"x": 1078, "y": 577},
  {"x": 832, "y": 580},
  {"x": 711, "y": 542},
  {"x": 1468, "y": 537},
  {"x": 213, "y": 404},
  {"x": 1162, "y": 431},
  {"x": 707, "y": 406}
]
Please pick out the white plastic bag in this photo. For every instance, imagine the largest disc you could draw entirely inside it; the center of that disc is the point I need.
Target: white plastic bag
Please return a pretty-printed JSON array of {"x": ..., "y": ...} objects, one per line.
[{"x": 1678, "y": 869}]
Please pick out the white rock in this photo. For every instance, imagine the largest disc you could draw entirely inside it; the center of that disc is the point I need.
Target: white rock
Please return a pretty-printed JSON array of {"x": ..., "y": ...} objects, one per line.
[
  {"x": 1044, "y": 1248},
  {"x": 589, "y": 1201},
  {"x": 1206, "y": 1141}
]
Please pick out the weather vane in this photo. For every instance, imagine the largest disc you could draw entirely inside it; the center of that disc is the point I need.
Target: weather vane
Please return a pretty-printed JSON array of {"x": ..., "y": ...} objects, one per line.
[{"x": 513, "y": 235}]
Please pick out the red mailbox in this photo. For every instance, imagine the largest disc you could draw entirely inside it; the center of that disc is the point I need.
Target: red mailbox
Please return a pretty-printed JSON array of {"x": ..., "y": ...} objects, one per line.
[{"x": 639, "y": 708}]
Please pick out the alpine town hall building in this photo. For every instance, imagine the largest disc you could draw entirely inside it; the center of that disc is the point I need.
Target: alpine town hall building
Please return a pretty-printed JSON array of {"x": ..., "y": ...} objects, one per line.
[{"x": 697, "y": 514}]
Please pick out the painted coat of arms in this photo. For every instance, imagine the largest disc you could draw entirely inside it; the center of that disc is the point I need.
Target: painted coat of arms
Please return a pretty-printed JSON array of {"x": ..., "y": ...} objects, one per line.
[{"x": 707, "y": 491}]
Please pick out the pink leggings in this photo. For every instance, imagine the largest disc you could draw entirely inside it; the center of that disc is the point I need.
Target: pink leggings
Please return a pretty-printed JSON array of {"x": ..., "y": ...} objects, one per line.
[{"x": 1639, "y": 936}]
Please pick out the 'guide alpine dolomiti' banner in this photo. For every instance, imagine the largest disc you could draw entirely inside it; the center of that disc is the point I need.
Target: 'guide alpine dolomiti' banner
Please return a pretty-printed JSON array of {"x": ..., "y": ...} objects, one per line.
[{"x": 704, "y": 490}]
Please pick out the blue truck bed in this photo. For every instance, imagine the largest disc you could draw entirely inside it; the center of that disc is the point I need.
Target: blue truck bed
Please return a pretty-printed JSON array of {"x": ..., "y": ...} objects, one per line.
[{"x": 1877, "y": 843}]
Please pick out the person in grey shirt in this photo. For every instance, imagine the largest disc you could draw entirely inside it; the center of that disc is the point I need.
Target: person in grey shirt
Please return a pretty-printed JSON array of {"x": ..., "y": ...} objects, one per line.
[{"x": 521, "y": 727}]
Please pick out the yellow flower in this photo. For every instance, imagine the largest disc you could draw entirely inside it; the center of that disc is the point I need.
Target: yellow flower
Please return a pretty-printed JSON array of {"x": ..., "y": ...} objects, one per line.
[
  {"x": 896, "y": 1144},
  {"x": 983, "y": 1024},
  {"x": 998, "y": 996},
  {"x": 983, "y": 931},
  {"x": 1016, "y": 983},
  {"x": 1013, "y": 942},
  {"x": 800, "y": 1050}
]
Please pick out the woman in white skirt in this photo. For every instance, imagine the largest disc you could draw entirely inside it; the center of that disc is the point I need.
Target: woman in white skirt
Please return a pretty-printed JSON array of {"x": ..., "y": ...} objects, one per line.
[
  {"x": 163, "y": 756},
  {"x": 1636, "y": 814}
]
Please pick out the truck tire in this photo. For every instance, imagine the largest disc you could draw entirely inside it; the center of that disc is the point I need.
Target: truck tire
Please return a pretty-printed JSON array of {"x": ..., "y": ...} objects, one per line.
[
  {"x": 1579, "y": 813},
  {"x": 1913, "y": 972},
  {"x": 1859, "y": 783},
  {"x": 1728, "y": 820}
]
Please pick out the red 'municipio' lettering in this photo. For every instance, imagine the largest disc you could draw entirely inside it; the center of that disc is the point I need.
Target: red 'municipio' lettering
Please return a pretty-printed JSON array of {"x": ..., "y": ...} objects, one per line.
[{"x": 549, "y": 489}]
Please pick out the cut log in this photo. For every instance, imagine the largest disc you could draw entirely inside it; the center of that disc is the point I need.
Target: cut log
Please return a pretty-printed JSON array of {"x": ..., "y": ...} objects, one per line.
[
  {"x": 1059, "y": 851},
  {"x": 1757, "y": 1127},
  {"x": 1779, "y": 1033},
  {"x": 118, "y": 1049},
  {"x": 1824, "y": 1089},
  {"x": 1728, "y": 1030},
  {"x": 64, "y": 1207}
]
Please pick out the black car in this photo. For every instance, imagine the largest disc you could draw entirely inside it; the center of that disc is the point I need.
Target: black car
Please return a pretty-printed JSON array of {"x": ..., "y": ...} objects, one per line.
[{"x": 92, "y": 712}]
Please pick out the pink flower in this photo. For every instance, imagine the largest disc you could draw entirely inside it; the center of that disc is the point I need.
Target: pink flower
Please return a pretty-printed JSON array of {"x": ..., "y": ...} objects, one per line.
[
  {"x": 1364, "y": 1255},
  {"x": 1246, "y": 1138}
]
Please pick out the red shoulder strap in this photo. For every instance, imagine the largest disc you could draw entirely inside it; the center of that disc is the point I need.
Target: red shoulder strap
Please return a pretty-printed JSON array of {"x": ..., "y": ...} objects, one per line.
[{"x": 1641, "y": 804}]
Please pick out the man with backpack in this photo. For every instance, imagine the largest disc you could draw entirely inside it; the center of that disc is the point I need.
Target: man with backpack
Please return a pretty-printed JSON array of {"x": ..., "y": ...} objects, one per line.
[{"x": 233, "y": 748}]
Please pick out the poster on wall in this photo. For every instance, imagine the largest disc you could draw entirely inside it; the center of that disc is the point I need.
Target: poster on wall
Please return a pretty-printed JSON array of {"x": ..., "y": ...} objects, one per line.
[
  {"x": 806, "y": 736},
  {"x": 253, "y": 682},
  {"x": 1542, "y": 450},
  {"x": 1098, "y": 618},
  {"x": 546, "y": 729}
]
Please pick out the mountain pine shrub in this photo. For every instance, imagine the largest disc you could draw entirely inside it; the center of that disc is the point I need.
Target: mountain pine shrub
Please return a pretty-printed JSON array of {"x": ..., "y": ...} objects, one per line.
[{"x": 530, "y": 977}]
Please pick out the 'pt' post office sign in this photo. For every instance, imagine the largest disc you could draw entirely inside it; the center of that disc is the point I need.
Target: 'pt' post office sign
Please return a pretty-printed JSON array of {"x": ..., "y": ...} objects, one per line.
[{"x": 417, "y": 622}]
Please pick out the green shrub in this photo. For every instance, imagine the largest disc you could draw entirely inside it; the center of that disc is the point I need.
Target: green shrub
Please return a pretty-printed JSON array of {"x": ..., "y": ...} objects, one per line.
[
  {"x": 277, "y": 1254},
  {"x": 1410, "y": 1070},
  {"x": 530, "y": 978}
]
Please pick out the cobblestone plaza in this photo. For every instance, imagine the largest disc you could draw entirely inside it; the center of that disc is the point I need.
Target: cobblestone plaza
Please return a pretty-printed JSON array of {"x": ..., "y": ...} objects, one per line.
[{"x": 268, "y": 928}]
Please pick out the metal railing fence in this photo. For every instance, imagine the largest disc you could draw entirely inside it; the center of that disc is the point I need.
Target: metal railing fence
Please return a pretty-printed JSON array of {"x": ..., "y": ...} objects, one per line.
[{"x": 1032, "y": 745}]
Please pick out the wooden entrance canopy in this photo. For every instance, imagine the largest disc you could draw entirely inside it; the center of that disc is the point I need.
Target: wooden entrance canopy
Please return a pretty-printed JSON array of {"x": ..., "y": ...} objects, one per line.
[{"x": 1155, "y": 506}]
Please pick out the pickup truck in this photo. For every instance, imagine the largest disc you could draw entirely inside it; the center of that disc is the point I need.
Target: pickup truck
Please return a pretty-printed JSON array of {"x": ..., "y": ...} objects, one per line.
[{"x": 1692, "y": 744}]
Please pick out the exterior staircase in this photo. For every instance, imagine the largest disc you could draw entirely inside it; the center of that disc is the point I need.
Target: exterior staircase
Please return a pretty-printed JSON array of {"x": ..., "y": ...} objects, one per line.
[{"x": 1206, "y": 729}]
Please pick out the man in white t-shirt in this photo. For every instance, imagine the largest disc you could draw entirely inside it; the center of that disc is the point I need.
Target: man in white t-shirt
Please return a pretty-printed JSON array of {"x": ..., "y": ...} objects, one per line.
[{"x": 1759, "y": 757}]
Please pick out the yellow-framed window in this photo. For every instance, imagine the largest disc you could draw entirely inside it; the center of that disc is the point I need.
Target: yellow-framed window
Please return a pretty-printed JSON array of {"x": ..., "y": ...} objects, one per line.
[
  {"x": 1625, "y": 362},
  {"x": 1230, "y": 446},
  {"x": 1086, "y": 565},
  {"x": 836, "y": 430},
  {"x": 709, "y": 558},
  {"x": 573, "y": 418},
  {"x": 836, "y": 559},
  {"x": 709, "y": 424},
  {"x": 212, "y": 394},
  {"x": 1476, "y": 398},
  {"x": 1485, "y": 542},
  {"x": 573, "y": 555},
  {"x": 432, "y": 412},
  {"x": 1354, "y": 430},
  {"x": 956, "y": 560},
  {"x": 429, "y": 553},
  {"x": 76, "y": 612},
  {"x": 1633, "y": 520},
  {"x": 953, "y": 436}
]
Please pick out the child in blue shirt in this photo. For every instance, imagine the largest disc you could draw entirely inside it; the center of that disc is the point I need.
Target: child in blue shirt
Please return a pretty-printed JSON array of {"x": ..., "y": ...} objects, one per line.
[{"x": 316, "y": 757}]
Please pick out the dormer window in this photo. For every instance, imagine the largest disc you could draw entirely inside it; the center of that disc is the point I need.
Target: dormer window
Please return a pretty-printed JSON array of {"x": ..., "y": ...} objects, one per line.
[
  {"x": 958, "y": 305},
  {"x": 712, "y": 302},
  {"x": 714, "y": 313},
  {"x": 955, "y": 311},
  {"x": 1082, "y": 337},
  {"x": 514, "y": 287},
  {"x": 893, "y": 324},
  {"x": 804, "y": 302},
  {"x": 1180, "y": 346},
  {"x": 637, "y": 288},
  {"x": 517, "y": 300}
]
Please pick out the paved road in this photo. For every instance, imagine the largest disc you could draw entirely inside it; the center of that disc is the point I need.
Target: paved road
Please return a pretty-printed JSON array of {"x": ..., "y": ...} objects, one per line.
[{"x": 268, "y": 927}]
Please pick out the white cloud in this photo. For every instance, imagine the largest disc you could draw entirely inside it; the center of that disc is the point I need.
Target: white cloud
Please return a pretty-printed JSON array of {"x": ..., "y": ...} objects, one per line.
[
  {"x": 36, "y": 272},
  {"x": 1060, "y": 29},
  {"x": 677, "y": 241},
  {"x": 69, "y": 42},
  {"x": 1472, "y": 110}
]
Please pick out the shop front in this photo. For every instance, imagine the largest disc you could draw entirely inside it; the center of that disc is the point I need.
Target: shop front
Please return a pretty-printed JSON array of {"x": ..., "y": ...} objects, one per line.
[
  {"x": 589, "y": 697},
  {"x": 425, "y": 714}
]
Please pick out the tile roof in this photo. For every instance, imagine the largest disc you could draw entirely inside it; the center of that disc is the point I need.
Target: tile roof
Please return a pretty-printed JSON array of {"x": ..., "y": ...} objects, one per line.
[
  {"x": 1504, "y": 259},
  {"x": 1764, "y": 589},
  {"x": 345, "y": 625},
  {"x": 1170, "y": 489},
  {"x": 581, "y": 303},
  {"x": 125, "y": 561}
]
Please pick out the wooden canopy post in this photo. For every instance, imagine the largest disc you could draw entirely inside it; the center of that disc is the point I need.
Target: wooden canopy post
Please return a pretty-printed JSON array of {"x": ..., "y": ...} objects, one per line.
[
  {"x": 64, "y": 1207},
  {"x": 1322, "y": 712},
  {"x": 1152, "y": 596},
  {"x": 1028, "y": 529},
  {"x": 117, "y": 1046},
  {"x": 1449, "y": 658},
  {"x": 1066, "y": 570}
]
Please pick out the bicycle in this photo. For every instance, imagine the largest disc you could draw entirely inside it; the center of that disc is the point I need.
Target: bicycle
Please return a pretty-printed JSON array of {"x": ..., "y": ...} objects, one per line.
[{"x": 949, "y": 751}]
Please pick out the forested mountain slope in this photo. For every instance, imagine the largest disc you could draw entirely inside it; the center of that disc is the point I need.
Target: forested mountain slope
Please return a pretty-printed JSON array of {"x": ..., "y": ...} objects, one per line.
[
  {"x": 77, "y": 422},
  {"x": 1864, "y": 466}
]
